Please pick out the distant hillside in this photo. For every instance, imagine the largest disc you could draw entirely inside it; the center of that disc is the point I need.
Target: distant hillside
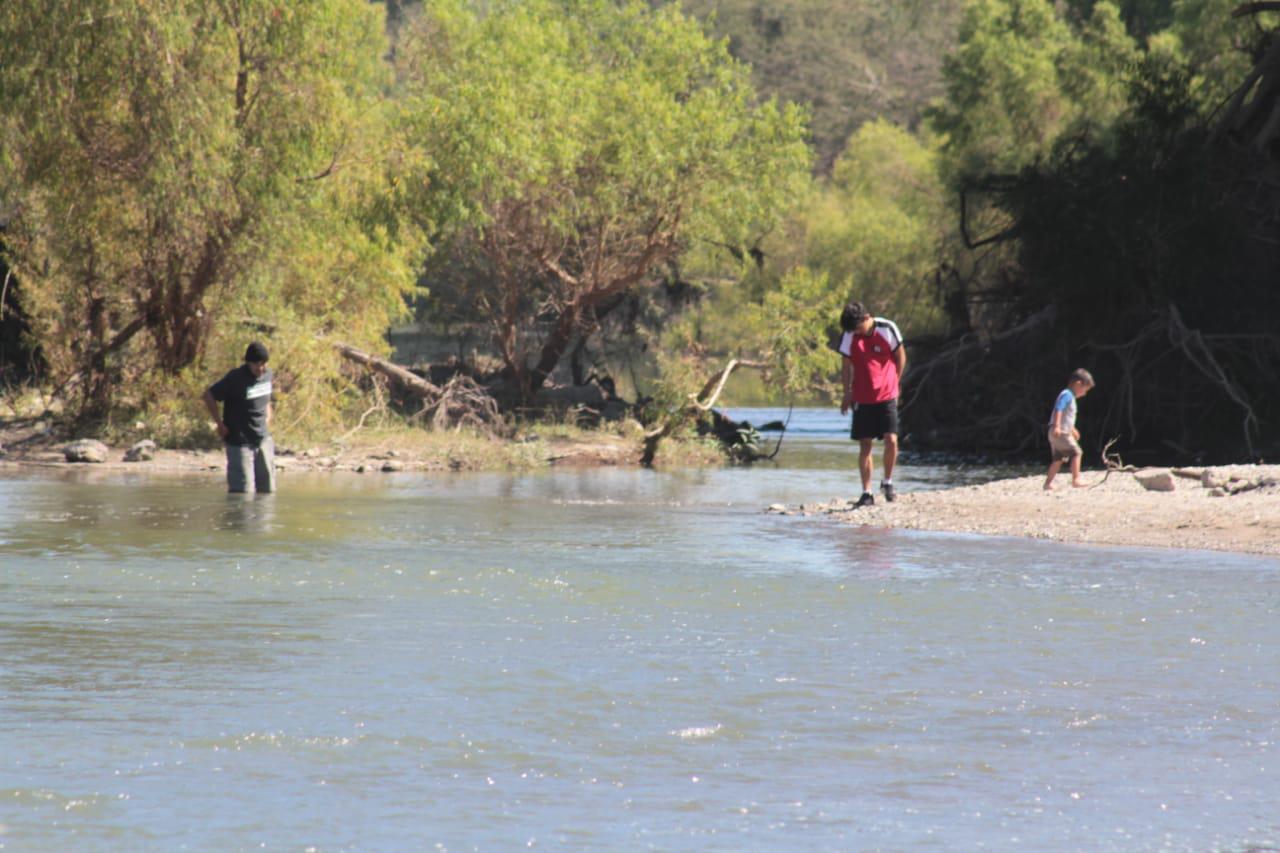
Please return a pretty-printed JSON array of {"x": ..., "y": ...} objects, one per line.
[{"x": 848, "y": 60}]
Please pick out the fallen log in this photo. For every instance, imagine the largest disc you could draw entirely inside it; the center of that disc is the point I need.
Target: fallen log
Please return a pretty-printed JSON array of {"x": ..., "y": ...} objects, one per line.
[
  {"x": 405, "y": 378},
  {"x": 699, "y": 404},
  {"x": 460, "y": 402}
]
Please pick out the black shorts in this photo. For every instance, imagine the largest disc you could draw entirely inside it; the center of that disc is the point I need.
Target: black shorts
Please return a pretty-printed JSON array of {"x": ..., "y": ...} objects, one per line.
[{"x": 874, "y": 420}]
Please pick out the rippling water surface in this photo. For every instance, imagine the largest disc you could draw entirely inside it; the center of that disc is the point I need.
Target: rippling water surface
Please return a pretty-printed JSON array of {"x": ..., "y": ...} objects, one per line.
[{"x": 613, "y": 659}]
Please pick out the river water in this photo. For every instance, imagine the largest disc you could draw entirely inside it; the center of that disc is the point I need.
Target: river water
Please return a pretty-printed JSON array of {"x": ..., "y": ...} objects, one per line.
[{"x": 613, "y": 659}]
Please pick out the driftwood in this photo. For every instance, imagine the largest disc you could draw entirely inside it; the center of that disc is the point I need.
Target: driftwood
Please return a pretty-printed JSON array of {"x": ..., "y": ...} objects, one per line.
[
  {"x": 699, "y": 404},
  {"x": 742, "y": 439},
  {"x": 1224, "y": 483},
  {"x": 1112, "y": 462},
  {"x": 460, "y": 402}
]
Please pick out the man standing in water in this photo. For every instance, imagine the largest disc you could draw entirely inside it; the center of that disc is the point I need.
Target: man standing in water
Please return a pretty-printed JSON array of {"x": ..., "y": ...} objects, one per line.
[
  {"x": 873, "y": 362},
  {"x": 245, "y": 394}
]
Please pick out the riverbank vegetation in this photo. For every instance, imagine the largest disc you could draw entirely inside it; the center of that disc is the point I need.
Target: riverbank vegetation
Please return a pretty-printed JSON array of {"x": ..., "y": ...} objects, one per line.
[{"x": 591, "y": 208}]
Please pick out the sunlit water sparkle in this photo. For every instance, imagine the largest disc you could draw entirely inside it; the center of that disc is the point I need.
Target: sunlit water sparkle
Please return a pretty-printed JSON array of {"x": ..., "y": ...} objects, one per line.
[{"x": 613, "y": 659}]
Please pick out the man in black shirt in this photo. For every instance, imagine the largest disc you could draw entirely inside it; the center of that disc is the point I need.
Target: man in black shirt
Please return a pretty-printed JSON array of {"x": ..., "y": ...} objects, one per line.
[{"x": 245, "y": 394}]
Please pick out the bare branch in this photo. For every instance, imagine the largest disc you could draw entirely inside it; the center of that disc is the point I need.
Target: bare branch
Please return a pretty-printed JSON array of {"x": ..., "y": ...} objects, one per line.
[
  {"x": 326, "y": 171},
  {"x": 1254, "y": 9},
  {"x": 1207, "y": 363}
]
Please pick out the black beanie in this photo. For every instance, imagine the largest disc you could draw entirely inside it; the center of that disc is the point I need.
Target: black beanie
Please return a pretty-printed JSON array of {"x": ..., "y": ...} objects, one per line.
[{"x": 257, "y": 352}]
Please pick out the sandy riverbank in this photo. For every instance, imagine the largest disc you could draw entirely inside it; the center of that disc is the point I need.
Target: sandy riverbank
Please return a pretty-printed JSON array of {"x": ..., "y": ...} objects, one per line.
[
  {"x": 1119, "y": 511},
  {"x": 1242, "y": 514}
]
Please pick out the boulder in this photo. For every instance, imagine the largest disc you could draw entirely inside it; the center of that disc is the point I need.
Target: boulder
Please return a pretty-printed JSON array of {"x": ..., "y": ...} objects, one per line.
[
  {"x": 143, "y": 451},
  {"x": 390, "y": 466},
  {"x": 1214, "y": 479},
  {"x": 85, "y": 450},
  {"x": 1156, "y": 479}
]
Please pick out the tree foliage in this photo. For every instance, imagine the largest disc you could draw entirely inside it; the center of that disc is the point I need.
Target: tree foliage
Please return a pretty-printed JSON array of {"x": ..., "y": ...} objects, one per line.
[
  {"x": 877, "y": 229},
  {"x": 1149, "y": 256},
  {"x": 1022, "y": 77},
  {"x": 172, "y": 168},
  {"x": 177, "y": 176},
  {"x": 575, "y": 147},
  {"x": 847, "y": 61}
]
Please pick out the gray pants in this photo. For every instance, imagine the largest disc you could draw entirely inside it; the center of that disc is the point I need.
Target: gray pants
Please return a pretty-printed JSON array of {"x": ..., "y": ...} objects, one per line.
[{"x": 259, "y": 462}]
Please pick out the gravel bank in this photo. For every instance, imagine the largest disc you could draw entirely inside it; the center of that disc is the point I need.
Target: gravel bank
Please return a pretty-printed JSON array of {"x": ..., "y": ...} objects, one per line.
[{"x": 1235, "y": 508}]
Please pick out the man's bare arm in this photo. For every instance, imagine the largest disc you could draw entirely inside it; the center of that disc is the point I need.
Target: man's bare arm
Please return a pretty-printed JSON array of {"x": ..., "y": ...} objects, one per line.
[
  {"x": 212, "y": 405},
  {"x": 846, "y": 382}
]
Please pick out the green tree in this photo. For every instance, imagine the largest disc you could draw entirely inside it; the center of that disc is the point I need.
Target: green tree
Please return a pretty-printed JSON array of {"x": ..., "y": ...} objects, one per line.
[
  {"x": 794, "y": 324},
  {"x": 876, "y": 230},
  {"x": 878, "y": 227},
  {"x": 1023, "y": 77},
  {"x": 576, "y": 146},
  {"x": 176, "y": 166},
  {"x": 1221, "y": 47}
]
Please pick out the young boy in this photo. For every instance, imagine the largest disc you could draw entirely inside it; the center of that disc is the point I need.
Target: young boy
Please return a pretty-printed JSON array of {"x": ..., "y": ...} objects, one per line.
[{"x": 1064, "y": 438}]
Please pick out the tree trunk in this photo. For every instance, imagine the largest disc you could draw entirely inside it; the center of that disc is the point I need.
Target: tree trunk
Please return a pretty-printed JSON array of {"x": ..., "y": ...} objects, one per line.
[
  {"x": 555, "y": 346},
  {"x": 176, "y": 315},
  {"x": 406, "y": 379}
]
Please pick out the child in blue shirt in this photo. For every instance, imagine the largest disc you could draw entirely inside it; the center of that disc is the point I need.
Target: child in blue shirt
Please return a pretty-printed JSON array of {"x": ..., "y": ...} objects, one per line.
[{"x": 1064, "y": 438}]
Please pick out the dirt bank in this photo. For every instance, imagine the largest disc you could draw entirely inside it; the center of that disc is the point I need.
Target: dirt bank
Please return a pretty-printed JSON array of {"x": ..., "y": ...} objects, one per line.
[
  {"x": 1238, "y": 510},
  {"x": 397, "y": 450}
]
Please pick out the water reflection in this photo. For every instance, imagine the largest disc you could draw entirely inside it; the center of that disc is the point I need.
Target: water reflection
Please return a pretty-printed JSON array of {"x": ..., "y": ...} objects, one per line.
[
  {"x": 247, "y": 513},
  {"x": 187, "y": 517},
  {"x": 870, "y": 553}
]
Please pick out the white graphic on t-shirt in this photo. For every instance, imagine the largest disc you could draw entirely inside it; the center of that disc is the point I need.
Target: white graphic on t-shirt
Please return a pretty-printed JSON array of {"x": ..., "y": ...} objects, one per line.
[{"x": 258, "y": 389}]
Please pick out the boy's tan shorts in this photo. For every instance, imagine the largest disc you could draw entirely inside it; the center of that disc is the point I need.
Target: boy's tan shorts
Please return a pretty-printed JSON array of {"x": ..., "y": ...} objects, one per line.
[{"x": 1063, "y": 446}]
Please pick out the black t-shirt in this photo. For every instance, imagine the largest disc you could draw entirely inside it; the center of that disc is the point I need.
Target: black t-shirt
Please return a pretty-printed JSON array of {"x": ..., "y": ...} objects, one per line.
[{"x": 244, "y": 399}]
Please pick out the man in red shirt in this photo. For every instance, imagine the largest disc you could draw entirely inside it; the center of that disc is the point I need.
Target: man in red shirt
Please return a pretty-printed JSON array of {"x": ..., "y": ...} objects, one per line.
[{"x": 873, "y": 362}]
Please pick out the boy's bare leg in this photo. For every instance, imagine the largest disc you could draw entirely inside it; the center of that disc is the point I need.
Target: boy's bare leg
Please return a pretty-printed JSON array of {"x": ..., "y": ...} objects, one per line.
[
  {"x": 864, "y": 462},
  {"x": 1075, "y": 470},
  {"x": 890, "y": 455},
  {"x": 1053, "y": 472}
]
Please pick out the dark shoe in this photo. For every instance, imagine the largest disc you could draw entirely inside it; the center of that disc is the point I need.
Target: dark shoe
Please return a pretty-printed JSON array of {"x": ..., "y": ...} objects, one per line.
[
  {"x": 889, "y": 494},
  {"x": 867, "y": 499}
]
